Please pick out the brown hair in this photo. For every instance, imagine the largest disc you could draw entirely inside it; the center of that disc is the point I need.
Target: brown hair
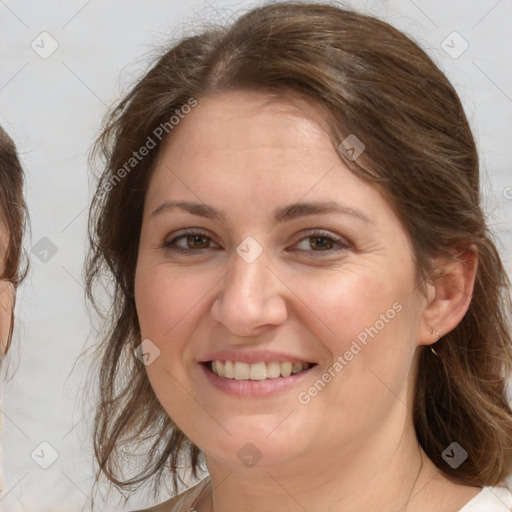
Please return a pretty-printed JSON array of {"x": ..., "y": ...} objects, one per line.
[
  {"x": 378, "y": 84},
  {"x": 13, "y": 216}
]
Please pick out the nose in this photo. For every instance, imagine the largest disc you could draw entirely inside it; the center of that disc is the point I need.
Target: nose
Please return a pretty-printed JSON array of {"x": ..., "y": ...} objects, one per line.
[{"x": 251, "y": 297}]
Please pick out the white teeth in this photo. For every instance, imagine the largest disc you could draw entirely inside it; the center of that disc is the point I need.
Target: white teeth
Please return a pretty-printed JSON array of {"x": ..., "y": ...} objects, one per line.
[
  {"x": 257, "y": 371},
  {"x": 273, "y": 370},
  {"x": 286, "y": 369},
  {"x": 241, "y": 371},
  {"x": 229, "y": 369}
]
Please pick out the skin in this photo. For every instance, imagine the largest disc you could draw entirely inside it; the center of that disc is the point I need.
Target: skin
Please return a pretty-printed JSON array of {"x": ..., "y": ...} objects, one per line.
[
  {"x": 353, "y": 446},
  {"x": 6, "y": 295}
]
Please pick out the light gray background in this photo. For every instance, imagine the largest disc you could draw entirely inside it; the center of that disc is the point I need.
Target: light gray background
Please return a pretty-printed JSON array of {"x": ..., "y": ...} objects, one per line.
[{"x": 53, "y": 106}]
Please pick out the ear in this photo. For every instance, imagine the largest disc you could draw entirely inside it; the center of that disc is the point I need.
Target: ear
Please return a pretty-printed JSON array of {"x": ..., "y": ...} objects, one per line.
[{"x": 449, "y": 294}]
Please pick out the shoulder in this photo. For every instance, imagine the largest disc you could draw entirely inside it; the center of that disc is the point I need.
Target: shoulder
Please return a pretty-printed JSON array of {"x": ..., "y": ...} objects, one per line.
[
  {"x": 185, "y": 499},
  {"x": 490, "y": 499}
]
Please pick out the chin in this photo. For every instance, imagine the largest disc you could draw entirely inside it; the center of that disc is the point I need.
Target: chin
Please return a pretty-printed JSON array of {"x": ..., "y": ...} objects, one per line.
[{"x": 262, "y": 441}]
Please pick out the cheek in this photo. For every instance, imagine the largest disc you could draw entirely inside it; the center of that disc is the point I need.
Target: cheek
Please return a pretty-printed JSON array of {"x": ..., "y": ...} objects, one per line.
[
  {"x": 371, "y": 346},
  {"x": 170, "y": 302},
  {"x": 166, "y": 303},
  {"x": 162, "y": 299},
  {"x": 340, "y": 306},
  {"x": 366, "y": 319}
]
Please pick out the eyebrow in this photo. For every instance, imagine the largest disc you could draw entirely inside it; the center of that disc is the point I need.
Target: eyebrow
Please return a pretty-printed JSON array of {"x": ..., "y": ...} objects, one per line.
[{"x": 282, "y": 214}]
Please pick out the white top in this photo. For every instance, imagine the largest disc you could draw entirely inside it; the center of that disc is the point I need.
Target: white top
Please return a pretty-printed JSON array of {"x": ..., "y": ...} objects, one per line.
[{"x": 489, "y": 499}]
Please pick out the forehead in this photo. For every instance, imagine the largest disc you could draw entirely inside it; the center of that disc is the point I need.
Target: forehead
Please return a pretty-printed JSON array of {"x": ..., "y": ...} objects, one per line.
[
  {"x": 256, "y": 151},
  {"x": 244, "y": 121},
  {"x": 235, "y": 133}
]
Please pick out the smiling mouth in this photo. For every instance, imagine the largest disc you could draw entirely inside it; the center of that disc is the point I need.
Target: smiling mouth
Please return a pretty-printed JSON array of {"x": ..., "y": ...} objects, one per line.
[{"x": 258, "y": 371}]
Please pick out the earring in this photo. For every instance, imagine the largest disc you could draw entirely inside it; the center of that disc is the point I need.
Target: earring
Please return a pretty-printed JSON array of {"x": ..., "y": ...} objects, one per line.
[
  {"x": 432, "y": 348},
  {"x": 432, "y": 332}
]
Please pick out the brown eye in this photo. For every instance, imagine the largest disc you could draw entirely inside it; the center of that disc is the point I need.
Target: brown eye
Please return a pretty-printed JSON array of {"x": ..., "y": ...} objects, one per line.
[
  {"x": 321, "y": 242},
  {"x": 189, "y": 242},
  {"x": 197, "y": 241}
]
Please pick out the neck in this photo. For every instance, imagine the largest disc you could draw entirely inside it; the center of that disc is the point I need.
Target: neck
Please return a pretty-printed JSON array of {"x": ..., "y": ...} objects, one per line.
[{"x": 383, "y": 473}]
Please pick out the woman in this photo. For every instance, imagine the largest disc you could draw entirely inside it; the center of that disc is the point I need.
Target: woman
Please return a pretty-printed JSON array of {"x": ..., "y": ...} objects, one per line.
[
  {"x": 306, "y": 295},
  {"x": 12, "y": 224}
]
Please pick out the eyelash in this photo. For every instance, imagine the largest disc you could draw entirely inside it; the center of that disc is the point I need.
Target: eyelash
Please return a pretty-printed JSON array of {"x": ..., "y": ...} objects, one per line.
[{"x": 314, "y": 234}]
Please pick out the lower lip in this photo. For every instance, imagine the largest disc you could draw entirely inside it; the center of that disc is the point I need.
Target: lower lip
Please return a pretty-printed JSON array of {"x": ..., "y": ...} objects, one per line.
[{"x": 254, "y": 388}]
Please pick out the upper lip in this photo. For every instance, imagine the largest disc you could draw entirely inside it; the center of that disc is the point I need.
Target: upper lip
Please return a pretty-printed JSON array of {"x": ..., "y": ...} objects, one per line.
[{"x": 255, "y": 356}]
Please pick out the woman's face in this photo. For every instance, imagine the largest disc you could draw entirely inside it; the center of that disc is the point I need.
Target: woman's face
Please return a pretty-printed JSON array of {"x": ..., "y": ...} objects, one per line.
[{"x": 259, "y": 246}]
